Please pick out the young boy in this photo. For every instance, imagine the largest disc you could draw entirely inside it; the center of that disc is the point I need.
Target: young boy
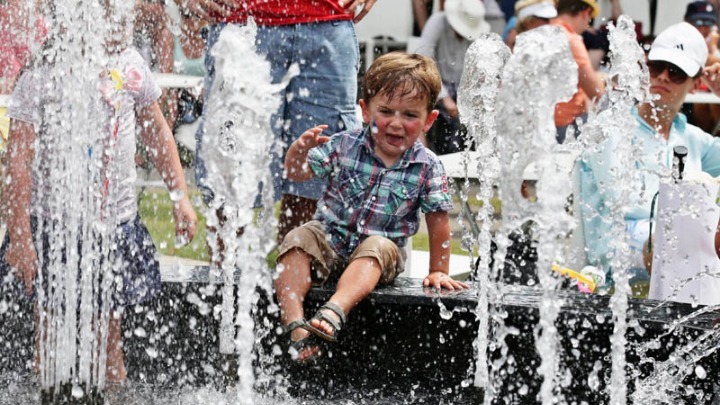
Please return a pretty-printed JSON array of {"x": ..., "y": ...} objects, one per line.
[{"x": 378, "y": 177}]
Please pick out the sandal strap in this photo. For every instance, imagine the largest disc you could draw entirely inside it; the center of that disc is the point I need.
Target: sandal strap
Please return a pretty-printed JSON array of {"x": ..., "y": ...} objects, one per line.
[
  {"x": 298, "y": 323},
  {"x": 337, "y": 310}
]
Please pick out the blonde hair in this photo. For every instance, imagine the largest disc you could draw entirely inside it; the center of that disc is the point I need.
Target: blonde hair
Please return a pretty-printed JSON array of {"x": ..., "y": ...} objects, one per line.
[{"x": 398, "y": 74}]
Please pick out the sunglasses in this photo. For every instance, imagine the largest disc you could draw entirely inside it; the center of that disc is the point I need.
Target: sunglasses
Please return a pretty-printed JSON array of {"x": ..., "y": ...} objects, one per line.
[
  {"x": 675, "y": 74},
  {"x": 703, "y": 23}
]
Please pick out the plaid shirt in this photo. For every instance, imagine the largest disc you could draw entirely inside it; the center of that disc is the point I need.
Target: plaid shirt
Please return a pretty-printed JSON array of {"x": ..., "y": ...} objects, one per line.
[{"x": 364, "y": 198}]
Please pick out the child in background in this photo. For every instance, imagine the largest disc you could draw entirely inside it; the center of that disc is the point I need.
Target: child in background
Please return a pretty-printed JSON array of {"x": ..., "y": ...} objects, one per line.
[
  {"x": 378, "y": 178},
  {"x": 127, "y": 87}
]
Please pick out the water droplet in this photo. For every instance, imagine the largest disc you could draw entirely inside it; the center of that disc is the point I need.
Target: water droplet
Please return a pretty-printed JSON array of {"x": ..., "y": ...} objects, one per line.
[
  {"x": 152, "y": 352},
  {"x": 77, "y": 392},
  {"x": 176, "y": 195},
  {"x": 181, "y": 240},
  {"x": 700, "y": 372}
]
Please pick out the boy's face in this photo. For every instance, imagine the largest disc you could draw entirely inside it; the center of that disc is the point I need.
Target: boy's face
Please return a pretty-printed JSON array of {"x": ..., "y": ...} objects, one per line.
[{"x": 398, "y": 123}]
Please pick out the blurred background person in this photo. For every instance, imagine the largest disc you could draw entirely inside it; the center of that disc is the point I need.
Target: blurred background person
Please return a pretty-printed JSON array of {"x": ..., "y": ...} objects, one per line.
[
  {"x": 574, "y": 17},
  {"x": 446, "y": 37},
  {"x": 703, "y": 16},
  {"x": 529, "y": 14}
]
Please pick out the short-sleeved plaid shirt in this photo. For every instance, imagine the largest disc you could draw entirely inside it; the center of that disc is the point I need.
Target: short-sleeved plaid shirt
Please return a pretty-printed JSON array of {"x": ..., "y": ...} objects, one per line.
[{"x": 364, "y": 197}]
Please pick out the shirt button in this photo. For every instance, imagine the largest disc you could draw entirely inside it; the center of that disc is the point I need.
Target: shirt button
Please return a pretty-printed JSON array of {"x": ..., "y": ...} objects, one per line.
[{"x": 374, "y": 198}]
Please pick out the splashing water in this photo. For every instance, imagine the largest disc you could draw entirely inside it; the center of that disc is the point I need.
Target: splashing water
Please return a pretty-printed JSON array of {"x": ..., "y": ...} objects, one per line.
[
  {"x": 75, "y": 161},
  {"x": 484, "y": 62},
  {"x": 540, "y": 73},
  {"x": 627, "y": 85},
  {"x": 239, "y": 142}
]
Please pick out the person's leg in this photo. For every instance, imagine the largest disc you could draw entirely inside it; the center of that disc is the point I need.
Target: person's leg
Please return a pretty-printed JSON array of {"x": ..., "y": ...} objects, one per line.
[
  {"x": 303, "y": 249},
  {"x": 115, "y": 364},
  {"x": 295, "y": 211},
  {"x": 292, "y": 285},
  {"x": 200, "y": 169},
  {"x": 324, "y": 92},
  {"x": 376, "y": 260}
]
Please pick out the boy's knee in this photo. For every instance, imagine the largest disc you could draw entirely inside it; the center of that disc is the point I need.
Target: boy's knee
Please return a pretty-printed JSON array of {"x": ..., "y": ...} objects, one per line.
[{"x": 387, "y": 254}]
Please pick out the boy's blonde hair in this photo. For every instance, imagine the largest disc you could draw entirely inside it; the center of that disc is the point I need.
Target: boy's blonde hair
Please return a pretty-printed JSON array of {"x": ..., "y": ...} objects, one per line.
[{"x": 398, "y": 74}]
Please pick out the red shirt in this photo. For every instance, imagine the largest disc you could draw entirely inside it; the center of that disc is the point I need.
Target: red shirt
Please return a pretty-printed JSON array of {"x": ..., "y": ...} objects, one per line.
[{"x": 286, "y": 12}]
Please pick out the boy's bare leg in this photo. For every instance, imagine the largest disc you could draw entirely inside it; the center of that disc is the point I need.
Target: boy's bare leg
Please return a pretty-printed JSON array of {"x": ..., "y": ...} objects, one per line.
[
  {"x": 291, "y": 287},
  {"x": 115, "y": 367},
  {"x": 357, "y": 282}
]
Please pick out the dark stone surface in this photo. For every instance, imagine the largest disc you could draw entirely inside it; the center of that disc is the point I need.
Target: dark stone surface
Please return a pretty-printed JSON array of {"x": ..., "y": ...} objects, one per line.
[{"x": 402, "y": 339}]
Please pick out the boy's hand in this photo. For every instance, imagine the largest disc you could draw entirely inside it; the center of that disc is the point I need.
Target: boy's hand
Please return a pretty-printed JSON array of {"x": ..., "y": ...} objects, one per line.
[
  {"x": 311, "y": 138},
  {"x": 185, "y": 220},
  {"x": 439, "y": 280},
  {"x": 23, "y": 258}
]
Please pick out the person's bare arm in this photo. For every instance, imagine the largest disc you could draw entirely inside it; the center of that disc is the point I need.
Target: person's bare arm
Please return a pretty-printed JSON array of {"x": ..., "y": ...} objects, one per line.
[
  {"x": 591, "y": 82},
  {"x": 615, "y": 9},
  {"x": 438, "y": 224},
  {"x": 420, "y": 12},
  {"x": 156, "y": 135},
  {"x": 21, "y": 254},
  {"x": 205, "y": 9},
  {"x": 296, "y": 165}
]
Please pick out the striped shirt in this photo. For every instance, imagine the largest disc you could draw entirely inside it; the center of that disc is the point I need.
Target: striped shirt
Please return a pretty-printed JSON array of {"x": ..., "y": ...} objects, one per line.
[{"x": 364, "y": 198}]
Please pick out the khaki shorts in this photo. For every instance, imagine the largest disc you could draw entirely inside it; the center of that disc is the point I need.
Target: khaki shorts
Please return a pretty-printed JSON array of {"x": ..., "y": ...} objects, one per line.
[{"x": 312, "y": 239}]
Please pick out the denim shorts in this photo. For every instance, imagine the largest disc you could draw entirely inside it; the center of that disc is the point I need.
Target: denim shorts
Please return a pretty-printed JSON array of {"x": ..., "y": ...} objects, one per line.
[
  {"x": 324, "y": 92},
  {"x": 139, "y": 270}
]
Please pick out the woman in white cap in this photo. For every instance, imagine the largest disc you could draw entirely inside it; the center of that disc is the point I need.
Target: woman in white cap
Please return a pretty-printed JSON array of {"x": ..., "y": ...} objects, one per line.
[
  {"x": 675, "y": 63},
  {"x": 530, "y": 14},
  {"x": 446, "y": 37}
]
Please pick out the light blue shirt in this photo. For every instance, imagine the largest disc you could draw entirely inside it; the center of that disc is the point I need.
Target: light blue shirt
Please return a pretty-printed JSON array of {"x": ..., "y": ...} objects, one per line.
[{"x": 600, "y": 188}]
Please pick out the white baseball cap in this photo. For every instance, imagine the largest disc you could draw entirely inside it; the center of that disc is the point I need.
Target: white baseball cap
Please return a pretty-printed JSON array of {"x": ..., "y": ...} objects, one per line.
[
  {"x": 535, "y": 8},
  {"x": 683, "y": 46},
  {"x": 467, "y": 17}
]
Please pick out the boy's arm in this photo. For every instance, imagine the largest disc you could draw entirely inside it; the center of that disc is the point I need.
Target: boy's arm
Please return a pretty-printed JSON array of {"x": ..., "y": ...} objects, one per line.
[
  {"x": 438, "y": 224},
  {"x": 296, "y": 165},
  {"x": 21, "y": 254},
  {"x": 156, "y": 135}
]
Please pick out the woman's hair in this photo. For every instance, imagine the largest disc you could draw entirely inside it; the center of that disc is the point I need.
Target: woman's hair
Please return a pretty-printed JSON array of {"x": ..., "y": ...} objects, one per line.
[
  {"x": 571, "y": 7},
  {"x": 398, "y": 74}
]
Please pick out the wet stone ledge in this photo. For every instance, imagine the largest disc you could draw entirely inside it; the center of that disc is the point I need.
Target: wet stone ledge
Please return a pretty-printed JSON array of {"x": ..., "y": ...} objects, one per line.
[{"x": 404, "y": 339}]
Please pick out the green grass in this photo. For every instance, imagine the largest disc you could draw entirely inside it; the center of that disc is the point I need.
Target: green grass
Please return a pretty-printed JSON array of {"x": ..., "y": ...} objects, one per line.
[{"x": 155, "y": 209}]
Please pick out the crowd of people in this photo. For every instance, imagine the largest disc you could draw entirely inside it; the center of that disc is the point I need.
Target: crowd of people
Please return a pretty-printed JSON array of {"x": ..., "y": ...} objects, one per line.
[{"x": 349, "y": 191}]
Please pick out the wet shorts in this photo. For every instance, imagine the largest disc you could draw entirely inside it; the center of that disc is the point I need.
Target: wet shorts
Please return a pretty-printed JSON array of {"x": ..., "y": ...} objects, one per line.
[
  {"x": 138, "y": 275},
  {"x": 311, "y": 238}
]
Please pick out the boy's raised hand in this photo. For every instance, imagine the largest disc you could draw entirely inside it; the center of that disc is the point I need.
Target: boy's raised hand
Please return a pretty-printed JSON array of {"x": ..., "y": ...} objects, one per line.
[
  {"x": 439, "y": 280},
  {"x": 296, "y": 167},
  {"x": 311, "y": 138}
]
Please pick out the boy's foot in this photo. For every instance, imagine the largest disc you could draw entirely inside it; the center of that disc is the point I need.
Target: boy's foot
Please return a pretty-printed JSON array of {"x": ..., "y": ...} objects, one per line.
[
  {"x": 303, "y": 344},
  {"x": 328, "y": 321}
]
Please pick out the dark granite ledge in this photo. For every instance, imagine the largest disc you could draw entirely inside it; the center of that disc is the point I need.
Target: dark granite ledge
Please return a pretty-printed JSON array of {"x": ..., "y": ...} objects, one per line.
[{"x": 405, "y": 291}]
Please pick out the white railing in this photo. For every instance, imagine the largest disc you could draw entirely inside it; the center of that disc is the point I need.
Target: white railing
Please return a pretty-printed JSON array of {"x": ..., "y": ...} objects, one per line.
[{"x": 164, "y": 80}]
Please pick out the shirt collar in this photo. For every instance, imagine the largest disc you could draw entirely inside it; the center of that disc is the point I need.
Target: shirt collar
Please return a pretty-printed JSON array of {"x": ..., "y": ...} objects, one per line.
[{"x": 679, "y": 123}]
